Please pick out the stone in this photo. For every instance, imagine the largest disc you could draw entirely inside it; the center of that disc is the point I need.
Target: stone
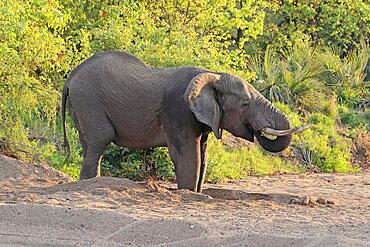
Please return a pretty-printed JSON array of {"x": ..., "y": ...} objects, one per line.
[
  {"x": 305, "y": 200},
  {"x": 321, "y": 200}
]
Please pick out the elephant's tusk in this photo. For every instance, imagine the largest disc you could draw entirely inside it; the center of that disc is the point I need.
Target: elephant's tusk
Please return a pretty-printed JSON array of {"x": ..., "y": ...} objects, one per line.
[
  {"x": 301, "y": 129},
  {"x": 274, "y": 132},
  {"x": 295, "y": 130}
]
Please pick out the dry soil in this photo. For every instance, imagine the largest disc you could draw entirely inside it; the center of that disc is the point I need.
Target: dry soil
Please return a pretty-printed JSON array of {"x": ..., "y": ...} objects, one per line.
[{"x": 42, "y": 207}]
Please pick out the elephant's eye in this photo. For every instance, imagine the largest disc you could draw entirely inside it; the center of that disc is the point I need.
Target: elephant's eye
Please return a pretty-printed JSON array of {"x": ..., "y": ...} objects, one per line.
[{"x": 245, "y": 104}]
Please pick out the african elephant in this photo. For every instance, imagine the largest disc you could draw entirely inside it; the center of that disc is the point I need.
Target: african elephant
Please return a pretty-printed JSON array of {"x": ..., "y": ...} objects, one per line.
[{"x": 115, "y": 97}]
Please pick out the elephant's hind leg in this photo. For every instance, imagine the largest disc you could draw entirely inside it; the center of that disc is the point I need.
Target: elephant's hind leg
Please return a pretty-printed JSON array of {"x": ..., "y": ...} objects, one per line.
[
  {"x": 91, "y": 162},
  {"x": 97, "y": 134}
]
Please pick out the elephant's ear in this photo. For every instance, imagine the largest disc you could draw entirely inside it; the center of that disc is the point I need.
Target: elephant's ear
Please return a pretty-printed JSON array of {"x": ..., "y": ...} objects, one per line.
[{"x": 200, "y": 95}]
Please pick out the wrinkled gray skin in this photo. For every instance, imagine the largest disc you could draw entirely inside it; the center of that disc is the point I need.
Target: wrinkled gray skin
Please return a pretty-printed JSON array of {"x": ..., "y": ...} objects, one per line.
[{"x": 115, "y": 97}]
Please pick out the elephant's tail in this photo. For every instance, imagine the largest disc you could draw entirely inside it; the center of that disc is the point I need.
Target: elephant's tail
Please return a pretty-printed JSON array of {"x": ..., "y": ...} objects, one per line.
[{"x": 64, "y": 102}]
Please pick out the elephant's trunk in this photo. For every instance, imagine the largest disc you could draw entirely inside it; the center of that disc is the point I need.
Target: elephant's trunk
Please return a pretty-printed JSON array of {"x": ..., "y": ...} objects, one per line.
[
  {"x": 277, "y": 145},
  {"x": 281, "y": 129}
]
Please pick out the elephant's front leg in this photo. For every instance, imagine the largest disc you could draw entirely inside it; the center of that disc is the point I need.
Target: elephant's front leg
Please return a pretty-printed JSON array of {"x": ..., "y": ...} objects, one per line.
[{"x": 185, "y": 154}]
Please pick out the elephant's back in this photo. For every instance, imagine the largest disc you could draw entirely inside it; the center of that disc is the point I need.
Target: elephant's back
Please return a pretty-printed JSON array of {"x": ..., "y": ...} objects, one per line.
[
  {"x": 124, "y": 87},
  {"x": 109, "y": 74},
  {"x": 112, "y": 66}
]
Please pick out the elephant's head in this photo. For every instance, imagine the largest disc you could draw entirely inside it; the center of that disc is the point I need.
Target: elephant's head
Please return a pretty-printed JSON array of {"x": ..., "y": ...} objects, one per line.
[{"x": 224, "y": 101}]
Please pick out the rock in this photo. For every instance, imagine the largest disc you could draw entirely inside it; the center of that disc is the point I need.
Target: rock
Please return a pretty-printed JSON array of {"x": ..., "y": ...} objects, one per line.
[
  {"x": 315, "y": 169},
  {"x": 305, "y": 200},
  {"x": 322, "y": 201},
  {"x": 330, "y": 202}
]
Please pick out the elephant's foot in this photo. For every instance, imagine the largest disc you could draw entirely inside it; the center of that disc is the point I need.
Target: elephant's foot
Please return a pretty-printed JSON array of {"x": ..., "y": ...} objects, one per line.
[{"x": 88, "y": 174}]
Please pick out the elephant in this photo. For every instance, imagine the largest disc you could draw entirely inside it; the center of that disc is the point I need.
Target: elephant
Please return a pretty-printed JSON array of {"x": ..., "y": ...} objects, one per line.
[{"x": 115, "y": 97}]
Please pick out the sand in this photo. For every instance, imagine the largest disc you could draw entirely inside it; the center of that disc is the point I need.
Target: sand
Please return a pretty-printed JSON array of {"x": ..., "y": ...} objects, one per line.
[{"x": 42, "y": 207}]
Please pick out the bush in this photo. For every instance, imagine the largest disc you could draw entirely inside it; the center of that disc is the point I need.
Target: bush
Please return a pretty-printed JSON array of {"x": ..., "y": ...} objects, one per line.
[
  {"x": 346, "y": 76},
  {"x": 322, "y": 145},
  {"x": 330, "y": 23},
  {"x": 292, "y": 78},
  {"x": 355, "y": 119},
  {"x": 137, "y": 164},
  {"x": 53, "y": 154}
]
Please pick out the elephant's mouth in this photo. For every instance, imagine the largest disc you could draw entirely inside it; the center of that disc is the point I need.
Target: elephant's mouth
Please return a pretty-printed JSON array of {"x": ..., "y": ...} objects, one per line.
[{"x": 249, "y": 133}]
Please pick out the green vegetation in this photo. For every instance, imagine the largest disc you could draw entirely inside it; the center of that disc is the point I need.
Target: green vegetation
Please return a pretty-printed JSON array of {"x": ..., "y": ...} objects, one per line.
[
  {"x": 308, "y": 57},
  {"x": 338, "y": 23},
  {"x": 322, "y": 146},
  {"x": 137, "y": 164}
]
